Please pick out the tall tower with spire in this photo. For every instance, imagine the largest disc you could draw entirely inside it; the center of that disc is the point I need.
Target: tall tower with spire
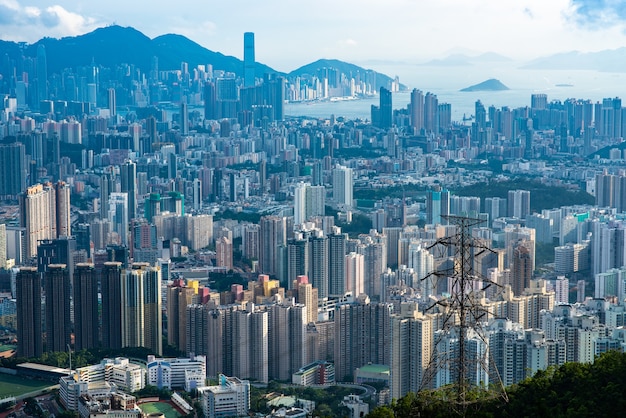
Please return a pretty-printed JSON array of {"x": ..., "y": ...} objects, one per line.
[{"x": 248, "y": 59}]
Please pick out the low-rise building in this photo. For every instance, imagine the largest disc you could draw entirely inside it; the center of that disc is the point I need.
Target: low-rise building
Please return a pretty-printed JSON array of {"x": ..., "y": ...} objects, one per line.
[{"x": 231, "y": 398}]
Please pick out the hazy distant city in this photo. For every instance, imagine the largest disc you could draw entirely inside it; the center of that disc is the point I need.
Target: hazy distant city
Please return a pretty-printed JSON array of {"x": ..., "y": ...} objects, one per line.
[{"x": 189, "y": 234}]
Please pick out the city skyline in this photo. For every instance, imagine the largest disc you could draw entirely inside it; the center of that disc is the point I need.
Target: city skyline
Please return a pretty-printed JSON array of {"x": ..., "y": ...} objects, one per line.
[{"x": 524, "y": 30}]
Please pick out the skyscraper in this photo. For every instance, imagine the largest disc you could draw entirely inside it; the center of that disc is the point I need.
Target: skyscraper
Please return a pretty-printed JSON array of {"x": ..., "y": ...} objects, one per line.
[
  {"x": 386, "y": 109},
  {"x": 318, "y": 264},
  {"x": 355, "y": 274},
  {"x": 518, "y": 203},
  {"x": 3, "y": 246},
  {"x": 35, "y": 216},
  {"x": 179, "y": 296},
  {"x": 337, "y": 262},
  {"x": 286, "y": 339},
  {"x": 141, "y": 308},
  {"x": 210, "y": 101},
  {"x": 118, "y": 216},
  {"x": 362, "y": 335},
  {"x": 57, "y": 288},
  {"x": 298, "y": 257},
  {"x": 86, "y": 328},
  {"x": 417, "y": 110},
  {"x": 12, "y": 170},
  {"x": 522, "y": 268},
  {"x": 431, "y": 107},
  {"x": 29, "y": 336},
  {"x": 42, "y": 74},
  {"x": 411, "y": 346},
  {"x": 273, "y": 236},
  {"x": 224, "y": 253},
  {"x": 184, "y": 119},
  {"x": 299, "y": 203},
  {"x": 248, "y": 59},
  {"x": 63, "y": 209},
  {"x": 111, "y": 284},
  {"x": 111, "y": 102},
  {"x": 128, "y": 174},
  {"x": 342, "y": 185}
]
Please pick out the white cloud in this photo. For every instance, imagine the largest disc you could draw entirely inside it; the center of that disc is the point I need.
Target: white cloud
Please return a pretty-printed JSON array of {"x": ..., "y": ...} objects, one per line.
[{"x": 31, "y": 23}]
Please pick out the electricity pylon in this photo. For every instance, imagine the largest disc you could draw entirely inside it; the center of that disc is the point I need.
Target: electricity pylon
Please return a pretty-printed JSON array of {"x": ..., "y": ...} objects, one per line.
[{"x": 462, "y": 316}]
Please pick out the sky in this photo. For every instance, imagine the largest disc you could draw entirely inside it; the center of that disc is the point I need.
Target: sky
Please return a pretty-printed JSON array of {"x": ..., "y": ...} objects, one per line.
[{"x": 292, "y": 33}]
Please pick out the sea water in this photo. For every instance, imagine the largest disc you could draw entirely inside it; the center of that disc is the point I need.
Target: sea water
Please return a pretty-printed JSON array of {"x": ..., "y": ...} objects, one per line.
[{"x": 446, "y": 83}]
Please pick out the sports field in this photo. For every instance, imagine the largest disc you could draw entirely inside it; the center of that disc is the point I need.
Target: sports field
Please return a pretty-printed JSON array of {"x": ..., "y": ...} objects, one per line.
[
  {"x": 162, "y": 407},
  {"x": 15, "y": 385}
]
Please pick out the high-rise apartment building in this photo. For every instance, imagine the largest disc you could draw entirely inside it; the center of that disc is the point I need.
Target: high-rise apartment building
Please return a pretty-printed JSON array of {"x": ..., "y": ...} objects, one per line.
[
  {"x": 522, "y": 267},
  {"x": 29, "y": 335},
  {"x": 111, "y": 102},
  {"x": 518, "y": 202},
  {"x": 354, "y": 274},
  {"x": 179, "y": 296},
  {"x": 3, "y": 246},
  {"x": 85, "y": 289},
  {"x": 411, "y": 336},
  {"x": 318, "y": 263},
  {"x": 111, "y": 285},
  {"x": 224, "y": 253},
  {"x": 251, "y": 242},
  {"x": 431, "y": 116},
  {"x": 362, "y": 335},
  {"x": 63, "y": 209},
  {"x": 57, "y": 290},
  {"x": 337, "y": 262},
  {"x": 286, "y": 339},
  {"x": 42, "y": 75},
  {"x": 12, "y": 170},
  {"x": 36, "y": 216},
  {"x": 342, "y": 186},
  {"x": 141, "y": 307},
  {"x": 128, "y": 183},
  {"x": 417, "y": 110},
  {"x": 273, "y": 236}
]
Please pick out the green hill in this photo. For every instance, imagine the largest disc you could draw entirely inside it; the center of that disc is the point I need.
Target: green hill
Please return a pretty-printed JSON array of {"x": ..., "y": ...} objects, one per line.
[{"x": 572, "y": 390}]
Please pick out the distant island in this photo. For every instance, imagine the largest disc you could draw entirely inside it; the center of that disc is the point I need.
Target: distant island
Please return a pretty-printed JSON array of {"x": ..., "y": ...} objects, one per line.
[{"x": 488, "y": 85}]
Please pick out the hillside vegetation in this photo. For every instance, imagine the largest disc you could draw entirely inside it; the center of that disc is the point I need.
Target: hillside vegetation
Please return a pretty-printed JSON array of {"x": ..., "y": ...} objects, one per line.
[{"x": 572, "y": 390}]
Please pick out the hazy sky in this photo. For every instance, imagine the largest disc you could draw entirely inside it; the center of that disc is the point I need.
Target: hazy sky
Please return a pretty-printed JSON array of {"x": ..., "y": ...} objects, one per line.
[{"x": 291, "y": 33}]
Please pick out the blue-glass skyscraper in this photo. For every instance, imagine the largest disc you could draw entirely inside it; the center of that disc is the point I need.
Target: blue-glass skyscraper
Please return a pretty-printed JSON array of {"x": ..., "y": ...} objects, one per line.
[
  {"x": 386, "y": 109},
  {"x": 248, "y": 59}
]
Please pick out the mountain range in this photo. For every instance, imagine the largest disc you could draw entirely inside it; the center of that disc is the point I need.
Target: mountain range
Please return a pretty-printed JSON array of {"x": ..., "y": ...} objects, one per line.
[
  {"x": 609, "y": 60},
  {"x": 114, "y": 45}
]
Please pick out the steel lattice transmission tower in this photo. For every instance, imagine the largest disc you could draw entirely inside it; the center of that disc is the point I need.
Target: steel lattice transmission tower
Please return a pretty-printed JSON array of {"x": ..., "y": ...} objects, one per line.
[{"x": 462, "y": 318}]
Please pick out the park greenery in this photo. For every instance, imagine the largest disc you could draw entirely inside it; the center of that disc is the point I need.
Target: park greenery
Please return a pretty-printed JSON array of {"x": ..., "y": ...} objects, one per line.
[
  {"x": 542, "y": 196},
  {"x": 327, "y": 400},
  {"x": 570, "y": 390}
]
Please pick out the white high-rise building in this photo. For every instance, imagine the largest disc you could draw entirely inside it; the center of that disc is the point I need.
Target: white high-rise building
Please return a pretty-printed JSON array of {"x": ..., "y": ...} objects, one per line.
[
  {"x": 355, "y": 273},
  {"x": 299, "y": 203},
  {"x": 518, "y": 203},
  {"x": 37, "y": 217},
  {"x": 561, "y": 289},
  {"x": 3, "y": 246},
  {"x": 308, "y": 201},
  {"x": 422, "y": 262},
  {"x": 342, "y": 186}
]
